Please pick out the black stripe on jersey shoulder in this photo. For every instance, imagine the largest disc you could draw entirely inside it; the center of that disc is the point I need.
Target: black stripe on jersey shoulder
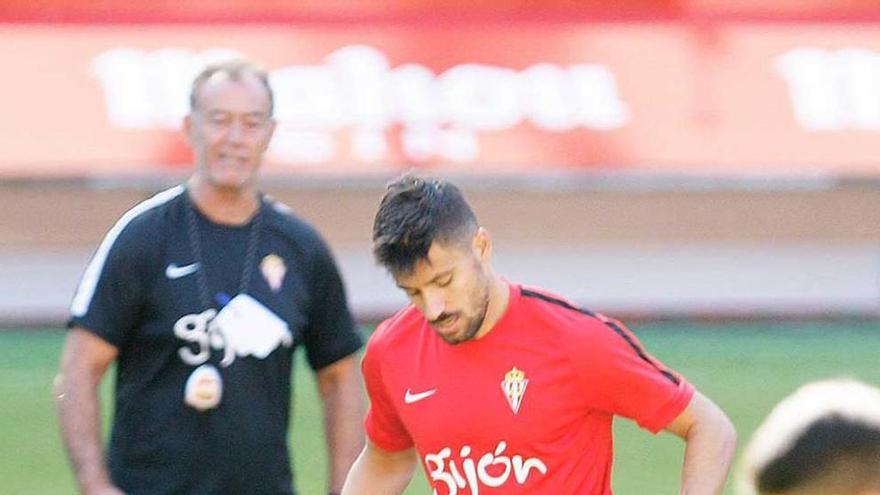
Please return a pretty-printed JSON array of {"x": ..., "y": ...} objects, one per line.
[
  {"x": 641, "y": 352},
  {"x": 610, "y": 324},
  {"x": 556, "y": 301}
]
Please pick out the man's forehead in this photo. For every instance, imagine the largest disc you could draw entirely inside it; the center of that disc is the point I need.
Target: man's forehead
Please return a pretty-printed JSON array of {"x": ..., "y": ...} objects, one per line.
[
  {"x": 422, "y": 271},
  {"x": 221, "y": 91},
  {"x": 440, "y": 259}
]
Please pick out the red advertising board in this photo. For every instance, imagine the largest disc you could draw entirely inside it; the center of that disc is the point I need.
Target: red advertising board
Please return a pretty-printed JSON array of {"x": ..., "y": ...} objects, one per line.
[
  {"x": 82, "y": 99},
  {"x": 299, "y": 11}
]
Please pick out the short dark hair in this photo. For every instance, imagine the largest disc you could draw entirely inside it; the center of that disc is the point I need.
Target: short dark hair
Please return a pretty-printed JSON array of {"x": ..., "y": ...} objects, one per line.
[
  {"x": 414, "y": 213},
  {"x": 236, "y": 69}
]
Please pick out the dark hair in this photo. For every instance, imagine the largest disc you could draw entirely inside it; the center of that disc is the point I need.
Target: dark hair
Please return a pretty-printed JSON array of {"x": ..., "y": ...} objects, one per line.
[
  {"x": 236, "y": 70},
  {"x": 829, "y": 443},
  {"x": 414, "y": 213}
]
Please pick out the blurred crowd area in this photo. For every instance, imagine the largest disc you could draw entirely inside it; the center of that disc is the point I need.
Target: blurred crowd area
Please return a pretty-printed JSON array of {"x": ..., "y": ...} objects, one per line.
[{"x": 648, "y": 158}]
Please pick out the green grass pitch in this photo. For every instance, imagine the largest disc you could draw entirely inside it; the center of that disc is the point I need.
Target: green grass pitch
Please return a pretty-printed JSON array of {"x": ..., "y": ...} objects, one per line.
[{"x": 744, "y": 368}]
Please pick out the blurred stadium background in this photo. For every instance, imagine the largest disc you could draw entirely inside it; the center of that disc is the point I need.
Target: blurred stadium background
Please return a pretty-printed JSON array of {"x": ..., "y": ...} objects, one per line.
[{"x": 706, "y": 170}]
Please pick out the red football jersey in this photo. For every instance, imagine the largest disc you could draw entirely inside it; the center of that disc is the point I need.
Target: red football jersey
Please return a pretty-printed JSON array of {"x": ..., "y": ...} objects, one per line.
[{"x": 525, "y": 409}]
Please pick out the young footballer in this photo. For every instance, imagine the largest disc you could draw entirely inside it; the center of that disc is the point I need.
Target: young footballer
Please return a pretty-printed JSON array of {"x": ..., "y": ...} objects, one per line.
[{"x": 499, "y": 388}]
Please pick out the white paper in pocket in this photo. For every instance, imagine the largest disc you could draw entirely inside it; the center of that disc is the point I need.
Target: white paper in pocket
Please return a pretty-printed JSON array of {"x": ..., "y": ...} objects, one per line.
[{"x": 249, "y": 328}]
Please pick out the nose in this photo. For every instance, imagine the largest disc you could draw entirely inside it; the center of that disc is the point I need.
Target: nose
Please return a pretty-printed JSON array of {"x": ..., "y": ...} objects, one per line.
[
  {"x": 235, "y": 132},
  {"x": 434, "y": 303}
]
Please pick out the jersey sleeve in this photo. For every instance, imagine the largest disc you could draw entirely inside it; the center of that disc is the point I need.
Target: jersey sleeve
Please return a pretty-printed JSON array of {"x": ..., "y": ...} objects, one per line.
[
  {"x": 382, "y": 423},
  {"x": 619, "y": 377},
  {"x": 112, "y": 290},
  {"x": 331, "y": 333}
]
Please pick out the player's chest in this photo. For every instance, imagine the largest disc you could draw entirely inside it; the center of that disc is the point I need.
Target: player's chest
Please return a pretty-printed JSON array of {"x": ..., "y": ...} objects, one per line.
[
  {"x": 186, "y": 284},
  {"x": 510, "y": 394}
]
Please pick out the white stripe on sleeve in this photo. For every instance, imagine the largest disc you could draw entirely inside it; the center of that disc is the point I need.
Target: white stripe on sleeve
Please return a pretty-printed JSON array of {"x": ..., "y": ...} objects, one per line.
[{"x": 86, "y": 289}]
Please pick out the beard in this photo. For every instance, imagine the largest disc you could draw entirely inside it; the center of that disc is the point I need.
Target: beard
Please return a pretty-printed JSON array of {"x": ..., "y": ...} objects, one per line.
[{"x": 474, "y": 322}]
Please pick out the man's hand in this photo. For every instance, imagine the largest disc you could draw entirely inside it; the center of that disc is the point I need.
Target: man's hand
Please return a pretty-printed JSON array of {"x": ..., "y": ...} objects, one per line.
[
  {"x": 83, "y": 363},
  {"x": 380, "y": 471},
  {"x": 104, "y": 490},
  {"x": 344, "y": 410}
]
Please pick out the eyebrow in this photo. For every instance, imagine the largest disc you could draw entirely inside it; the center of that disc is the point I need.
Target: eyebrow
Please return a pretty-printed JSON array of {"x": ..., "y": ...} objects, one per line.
[
  {"x": 216, "y": 111},
  {"x": 433, "y": 280}
]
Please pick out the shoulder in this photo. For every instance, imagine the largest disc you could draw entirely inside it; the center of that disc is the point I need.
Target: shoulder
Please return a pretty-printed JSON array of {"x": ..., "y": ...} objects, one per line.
[
  {"x": 389, "y": 339},
  {"x": 590, "y": 339},
  {"x": 139, "y": 228},
  {"x": 131, "y": 245},
  {"x": 557, "y": 312},
  {"x": 282, "y": 219},
  {"x": 394, "y": 332},
  {"x": 585, "y": 332}
]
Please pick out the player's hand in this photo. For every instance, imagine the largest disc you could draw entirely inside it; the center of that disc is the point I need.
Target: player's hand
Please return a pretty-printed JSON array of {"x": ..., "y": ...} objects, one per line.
[{"x": 105, "y": 490}]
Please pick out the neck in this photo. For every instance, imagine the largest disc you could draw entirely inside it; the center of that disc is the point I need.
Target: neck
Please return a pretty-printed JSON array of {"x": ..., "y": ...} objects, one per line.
[
  {"x": 499, "y": 298},
  {"x": 226, "y": 206}
]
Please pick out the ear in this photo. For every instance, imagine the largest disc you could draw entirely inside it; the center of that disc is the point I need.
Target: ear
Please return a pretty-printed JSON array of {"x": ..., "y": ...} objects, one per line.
[
  {"x": 271, "y": 132},
  {"x": 482, "y": 244},
  {"x": 187, "y": 127}
]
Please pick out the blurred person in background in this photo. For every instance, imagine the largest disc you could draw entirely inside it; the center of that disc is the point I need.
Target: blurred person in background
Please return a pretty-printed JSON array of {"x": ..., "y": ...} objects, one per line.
[
  {"x": 824, "y": 439},
  {"x": 200, "y": 295},
  {"x": 501, "y": 388}
]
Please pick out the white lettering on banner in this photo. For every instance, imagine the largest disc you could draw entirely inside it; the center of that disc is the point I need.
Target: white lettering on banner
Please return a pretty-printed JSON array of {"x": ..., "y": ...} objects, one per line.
[
  {"x": 357, "y": 89},
  {"x": 146, "y": 90},
  {"x": 833, "y": 90},
  {"x": 491, "y": 470},
  {"x": 306, "y": 147}
]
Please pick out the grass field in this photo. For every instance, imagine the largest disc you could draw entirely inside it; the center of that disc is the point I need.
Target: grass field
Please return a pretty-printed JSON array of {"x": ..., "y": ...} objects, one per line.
[{"x": 745, "y": 368}]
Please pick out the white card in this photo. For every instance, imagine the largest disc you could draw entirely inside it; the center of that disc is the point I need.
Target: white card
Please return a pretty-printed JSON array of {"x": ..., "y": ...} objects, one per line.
[{"x": 249, "y": 329}]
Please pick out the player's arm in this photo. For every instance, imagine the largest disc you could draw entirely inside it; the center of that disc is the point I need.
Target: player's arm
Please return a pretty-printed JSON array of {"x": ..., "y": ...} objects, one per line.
[
  {"x": 380, "y": 471},
  {"x": 711, "y": 442},
  {"x": 84, "y": 361},
  {"x": 340, "y": 388}
]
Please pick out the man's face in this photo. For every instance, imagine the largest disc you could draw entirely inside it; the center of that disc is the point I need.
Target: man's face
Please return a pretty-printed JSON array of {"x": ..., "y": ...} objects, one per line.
[
  {"x": 451, "y": 288},
  {"x": 230, "y": 129}
]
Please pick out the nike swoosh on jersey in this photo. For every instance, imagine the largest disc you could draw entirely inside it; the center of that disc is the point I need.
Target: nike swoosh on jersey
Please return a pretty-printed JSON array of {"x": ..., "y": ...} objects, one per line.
[
  {"x": 173, "y": 271},
  {"x": 410, "y": 397}
]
